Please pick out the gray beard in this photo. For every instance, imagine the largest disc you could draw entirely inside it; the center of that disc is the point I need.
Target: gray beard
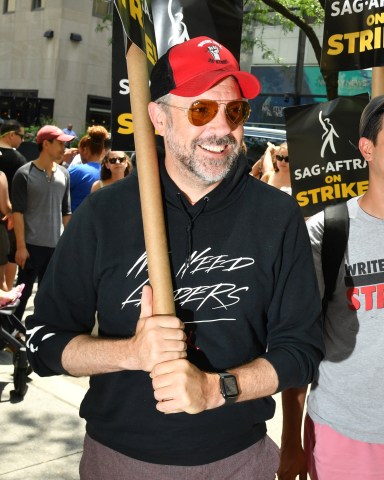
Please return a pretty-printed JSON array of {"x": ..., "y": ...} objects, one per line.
[{"x": 199, "y": 168}]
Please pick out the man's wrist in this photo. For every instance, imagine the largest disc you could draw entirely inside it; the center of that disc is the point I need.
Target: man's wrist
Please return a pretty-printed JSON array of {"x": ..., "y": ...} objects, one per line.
[
  {"x": 229, "y": 388},
  {"x": 213, "y": 395}
]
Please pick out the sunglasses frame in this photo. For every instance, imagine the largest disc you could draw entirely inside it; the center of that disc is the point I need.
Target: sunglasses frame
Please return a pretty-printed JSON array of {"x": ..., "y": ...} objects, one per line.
[
  {"x": 280, "y": 158},
  {"x": 121, "y": 159},
  {"x": 189, "y": 110}
]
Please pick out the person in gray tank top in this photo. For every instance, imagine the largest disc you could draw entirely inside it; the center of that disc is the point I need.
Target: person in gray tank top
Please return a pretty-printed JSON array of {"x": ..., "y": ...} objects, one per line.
[{"x": 343, "y": 434}]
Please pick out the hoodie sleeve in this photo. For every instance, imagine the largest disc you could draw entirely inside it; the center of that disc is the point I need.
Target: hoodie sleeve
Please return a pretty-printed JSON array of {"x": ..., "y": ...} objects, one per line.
[{"x": 295, "y": 343}]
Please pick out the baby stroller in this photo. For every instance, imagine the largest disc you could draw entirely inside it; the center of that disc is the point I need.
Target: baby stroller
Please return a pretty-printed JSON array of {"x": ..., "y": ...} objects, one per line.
[{"x": 12, "y": 334}]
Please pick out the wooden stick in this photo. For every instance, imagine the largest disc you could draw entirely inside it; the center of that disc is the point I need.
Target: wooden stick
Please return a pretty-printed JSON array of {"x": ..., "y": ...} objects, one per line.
[
  {"x": 377, "y": 81},
  {"x": 149, "y": 183}
]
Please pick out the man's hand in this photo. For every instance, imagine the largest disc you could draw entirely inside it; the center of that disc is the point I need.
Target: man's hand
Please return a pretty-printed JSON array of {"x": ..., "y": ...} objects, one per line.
[
  {"x": 21, "y": 256},
  {"x": 159, "y": 338},
  {"x": 292, "y": 463},
  {"x": 180, "y": 386}
]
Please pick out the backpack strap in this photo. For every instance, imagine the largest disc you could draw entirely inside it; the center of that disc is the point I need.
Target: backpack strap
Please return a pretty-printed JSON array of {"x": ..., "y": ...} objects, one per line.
[{"x": 335, "y": 239}]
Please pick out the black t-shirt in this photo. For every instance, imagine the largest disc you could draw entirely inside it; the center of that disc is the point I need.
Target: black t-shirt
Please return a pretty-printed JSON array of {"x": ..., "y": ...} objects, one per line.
[
  {"x": 10, "y": 161},
  {"x": 29, "y": 150}
]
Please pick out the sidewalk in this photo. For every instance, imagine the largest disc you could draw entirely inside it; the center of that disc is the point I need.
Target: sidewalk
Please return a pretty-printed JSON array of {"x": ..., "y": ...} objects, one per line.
[{"x": 42, "y": 436}]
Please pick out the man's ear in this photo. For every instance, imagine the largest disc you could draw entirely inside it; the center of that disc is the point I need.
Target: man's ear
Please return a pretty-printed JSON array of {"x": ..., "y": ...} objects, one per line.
[
  {"x": 158, "y": 117},
  {"x": 366, "y": 147}
]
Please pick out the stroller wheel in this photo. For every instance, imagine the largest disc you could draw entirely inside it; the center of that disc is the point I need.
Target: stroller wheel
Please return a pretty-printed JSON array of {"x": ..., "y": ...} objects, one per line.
[{"x": 20, "y": 374}]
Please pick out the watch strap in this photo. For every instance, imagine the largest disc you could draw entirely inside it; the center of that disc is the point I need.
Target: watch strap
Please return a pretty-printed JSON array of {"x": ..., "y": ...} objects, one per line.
[{"x": 228, "y": 387}]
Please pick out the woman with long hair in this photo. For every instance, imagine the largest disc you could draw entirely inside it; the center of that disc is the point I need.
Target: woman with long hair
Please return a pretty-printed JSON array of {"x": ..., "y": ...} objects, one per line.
[
  {"x": 280, "y": 177},
  {"x": 115, "y": 166}
]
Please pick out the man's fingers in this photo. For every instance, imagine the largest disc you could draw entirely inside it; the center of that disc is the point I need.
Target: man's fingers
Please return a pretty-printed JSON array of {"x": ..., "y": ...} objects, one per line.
[{"x": 146, "y": 302}]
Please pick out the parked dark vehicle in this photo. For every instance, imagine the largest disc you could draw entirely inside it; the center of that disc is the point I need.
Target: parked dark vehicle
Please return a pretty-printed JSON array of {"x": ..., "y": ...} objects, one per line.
[{"x": 257, "y": 138}]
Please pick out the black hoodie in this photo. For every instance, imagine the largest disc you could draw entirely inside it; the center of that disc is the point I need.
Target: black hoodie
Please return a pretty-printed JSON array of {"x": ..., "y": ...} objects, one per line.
[{"x": 244, "y": 285}]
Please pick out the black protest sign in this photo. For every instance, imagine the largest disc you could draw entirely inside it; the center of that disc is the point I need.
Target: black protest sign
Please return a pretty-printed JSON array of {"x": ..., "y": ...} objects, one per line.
[
  {"x": 137, "y": 21},
  {"x": 326, "y": 165},
  {"x": 179, "y": 20},
  {"x": 353, "y": 35},
  {"x": 121, "y": 119},
  {"x": 174, "y": 21}
]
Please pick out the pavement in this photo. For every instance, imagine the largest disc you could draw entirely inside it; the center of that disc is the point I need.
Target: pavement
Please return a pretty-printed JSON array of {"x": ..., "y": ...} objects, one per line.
[{"x": 42, "y": 435}]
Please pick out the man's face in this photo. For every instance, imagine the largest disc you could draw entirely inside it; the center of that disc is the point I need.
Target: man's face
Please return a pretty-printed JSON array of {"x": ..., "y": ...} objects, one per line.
[
  {"x": 374, "y": 155},
  {"x": 55, "y": 149},
  {"x": 203, "y": 155},
  {"x": 377, "y": 160},
  {"x": 17, "y": 137}
]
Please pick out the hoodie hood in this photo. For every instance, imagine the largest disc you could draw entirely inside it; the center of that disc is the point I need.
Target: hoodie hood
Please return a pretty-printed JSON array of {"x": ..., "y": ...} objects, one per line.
[{"x": 227, "y": 190}]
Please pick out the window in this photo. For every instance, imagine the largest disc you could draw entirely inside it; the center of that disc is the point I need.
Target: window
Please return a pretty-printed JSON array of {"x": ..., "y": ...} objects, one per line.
[
  {"x": 102, "y": 8},
  {"x": 9, "y": 6},
  {"x": 98, "y": 111},
  {"x": 38, "y": 4}
]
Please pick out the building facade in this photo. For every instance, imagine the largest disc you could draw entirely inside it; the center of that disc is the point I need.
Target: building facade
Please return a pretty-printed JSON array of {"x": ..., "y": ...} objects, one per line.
[
  {"x": 55, "y": 64},
  {"x": 296, "y": 79}
]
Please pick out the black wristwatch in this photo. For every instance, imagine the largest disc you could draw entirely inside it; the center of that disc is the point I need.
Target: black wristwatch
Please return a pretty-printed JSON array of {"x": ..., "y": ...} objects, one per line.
[{"x": 228, "y": 387}]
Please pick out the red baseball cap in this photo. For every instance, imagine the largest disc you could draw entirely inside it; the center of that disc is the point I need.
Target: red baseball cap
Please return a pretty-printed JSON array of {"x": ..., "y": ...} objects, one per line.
[
  {"x": 50, "y": 132},
  {"x": 193, "y": 67}
]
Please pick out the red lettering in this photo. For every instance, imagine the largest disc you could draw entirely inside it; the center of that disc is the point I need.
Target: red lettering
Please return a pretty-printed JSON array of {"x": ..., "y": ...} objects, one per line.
[
  {"x": 380, "y": 295},
  {"x": 353, "y": 300},
  {"x": 368, "y": 293}
]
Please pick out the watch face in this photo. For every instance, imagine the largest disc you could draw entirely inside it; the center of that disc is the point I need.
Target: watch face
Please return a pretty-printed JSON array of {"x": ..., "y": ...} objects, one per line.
[{"x": 230, "y": 386}]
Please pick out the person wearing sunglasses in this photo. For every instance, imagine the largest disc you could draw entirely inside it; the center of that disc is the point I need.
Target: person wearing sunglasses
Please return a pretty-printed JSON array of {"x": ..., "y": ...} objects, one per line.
[
  {"x": 185, "y": 396},
  {"x": 281, "y": 176},
  {"x": 115, "y": 166},
  {"x": 11, "y": 159}
]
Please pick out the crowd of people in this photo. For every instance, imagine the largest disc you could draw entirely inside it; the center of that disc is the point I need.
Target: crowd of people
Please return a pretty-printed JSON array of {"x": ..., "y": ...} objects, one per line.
[
  {"x": 187, "y": 394},
  {"x": 38, "y": 197}
]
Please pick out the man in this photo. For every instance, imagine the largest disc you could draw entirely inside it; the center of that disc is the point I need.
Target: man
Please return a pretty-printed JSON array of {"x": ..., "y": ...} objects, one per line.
[
  {"x": 69, "y": 131},
  {"x": 11, "y": 138},
  {"x": 41, "y": 205},
  {"x": 345, "y": 405},
  {"x": 247, "y": 307}
]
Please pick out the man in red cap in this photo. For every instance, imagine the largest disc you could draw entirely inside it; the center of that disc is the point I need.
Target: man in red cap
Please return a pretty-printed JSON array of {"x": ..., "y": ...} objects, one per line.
[
  {"x": 184, "y": 396},
  {"x": 41, "y": 206}
]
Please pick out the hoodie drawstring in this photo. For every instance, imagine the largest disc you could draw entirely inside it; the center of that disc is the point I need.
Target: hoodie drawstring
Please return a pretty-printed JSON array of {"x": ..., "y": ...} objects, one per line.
[{"x": 190, "y": 221}]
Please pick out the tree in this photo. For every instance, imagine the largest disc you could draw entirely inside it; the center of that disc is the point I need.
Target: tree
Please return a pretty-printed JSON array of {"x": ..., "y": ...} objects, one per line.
[{"x": 289, "y": 13}]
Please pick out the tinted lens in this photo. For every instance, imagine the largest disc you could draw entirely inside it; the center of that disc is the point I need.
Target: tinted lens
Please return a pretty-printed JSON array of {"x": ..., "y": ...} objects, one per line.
[
  {"x": 202, "y": 111},
  {"x": 113, "y": 160},
  {"x": 238, "y": 111},
  {"x": 281, "y": 158}
]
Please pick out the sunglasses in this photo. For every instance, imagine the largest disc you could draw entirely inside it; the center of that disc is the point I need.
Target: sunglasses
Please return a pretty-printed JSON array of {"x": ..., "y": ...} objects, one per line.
[
  {"x": 281, "y": 158},
  {"x": 114, "y": 160},
  {"x": 21, "y": 135},
  {"x": 202, "y": 112}
]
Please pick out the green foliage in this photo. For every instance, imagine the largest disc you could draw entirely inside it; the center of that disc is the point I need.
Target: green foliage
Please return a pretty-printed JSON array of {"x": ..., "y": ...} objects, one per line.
[
  {"x": 283, "y": 12},
  {"x": 33, "y": 129},
  {"x": 105, "y": 24}
]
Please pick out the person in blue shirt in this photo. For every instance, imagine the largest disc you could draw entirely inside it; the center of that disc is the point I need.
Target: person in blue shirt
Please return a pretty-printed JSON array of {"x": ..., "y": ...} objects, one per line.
[
  {"x": 69, "y": 131},
  {"x": 92, "y": 149}
]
